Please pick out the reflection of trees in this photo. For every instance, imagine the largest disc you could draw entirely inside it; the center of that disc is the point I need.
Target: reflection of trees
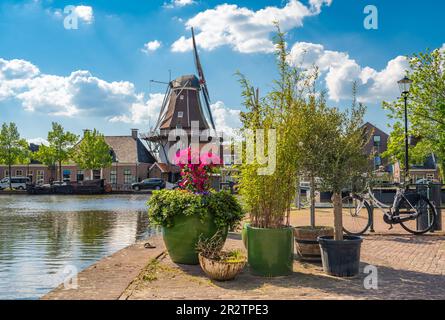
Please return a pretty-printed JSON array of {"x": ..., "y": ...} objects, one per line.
[{"x": 95, "y": 226}]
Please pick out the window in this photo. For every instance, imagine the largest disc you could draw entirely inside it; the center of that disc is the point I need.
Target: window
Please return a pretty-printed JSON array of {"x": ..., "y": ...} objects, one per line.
[
  {"x": 430, "y": 177},
  {"x": 40, "y": 176},
  {"x": 66, "y": 175},
  {"x": 180, "y": 114},
  {"x": 181, "y": 97},
  {"x": 127, "y": 176},
  {"x": 19, "y": 173},
  {"x": 96, "y": 174},
  {"x": 30, "y": 175},
  {"x": 113, "y": 177},
  {"x": 377, "y": 161},
  {"x": 377, "y": 141},
  {"x": 80, "y": 175},
  {"x": 6, "y": 173}
]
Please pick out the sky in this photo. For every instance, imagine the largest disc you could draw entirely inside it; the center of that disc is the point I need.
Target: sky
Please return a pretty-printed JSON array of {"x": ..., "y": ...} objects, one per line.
[{"x": 88, "y": 64}]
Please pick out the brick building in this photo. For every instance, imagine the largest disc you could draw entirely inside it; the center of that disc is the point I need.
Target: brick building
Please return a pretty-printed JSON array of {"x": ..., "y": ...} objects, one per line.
[{"x": 131, "y": 163}]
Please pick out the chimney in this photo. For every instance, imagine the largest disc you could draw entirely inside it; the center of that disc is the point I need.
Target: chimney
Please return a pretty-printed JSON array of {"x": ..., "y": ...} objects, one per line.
[{"x": 134, "y": 133}]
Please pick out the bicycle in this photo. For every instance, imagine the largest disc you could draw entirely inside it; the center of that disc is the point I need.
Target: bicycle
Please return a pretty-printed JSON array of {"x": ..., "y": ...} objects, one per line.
[{"x": 413, "y": 211}]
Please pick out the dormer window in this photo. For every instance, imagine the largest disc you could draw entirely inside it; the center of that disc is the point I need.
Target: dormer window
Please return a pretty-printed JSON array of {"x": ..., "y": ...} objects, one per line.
[{"x": 180, "y": 114}]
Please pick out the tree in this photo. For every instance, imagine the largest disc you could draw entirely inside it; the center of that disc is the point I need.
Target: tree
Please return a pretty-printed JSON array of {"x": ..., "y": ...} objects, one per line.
[
  {"x": 344, "y": 159},
  {"x": 59, "y": 148},
  {"x": 268, "y": 197},
  {"x": 92, "y": 152},
  {"x": 12, "y": 147},
  {"x": 47, "y": 156},
  {"x": 426, "y": 109}
]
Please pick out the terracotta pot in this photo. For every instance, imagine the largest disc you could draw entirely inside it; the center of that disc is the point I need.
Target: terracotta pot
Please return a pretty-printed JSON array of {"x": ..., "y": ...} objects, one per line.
[
  {"x": 220, "y": 270},
  {"x": 306, "y": 241}
]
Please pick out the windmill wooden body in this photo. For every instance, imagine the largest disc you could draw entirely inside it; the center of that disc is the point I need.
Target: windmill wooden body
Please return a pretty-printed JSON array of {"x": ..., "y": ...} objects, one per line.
[{"x": 186, "y": 100}]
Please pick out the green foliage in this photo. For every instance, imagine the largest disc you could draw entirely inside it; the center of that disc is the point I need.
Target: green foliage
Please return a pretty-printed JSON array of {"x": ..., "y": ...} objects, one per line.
[
  {"x": 12, "y": 147},
  {"x": 426, "y": 110},
  {"x": 59, "y": 148},
  {"x": 268, "y": 197},
  {"x": 92, "y": 152},
  {"x": 164, "y": 205}
]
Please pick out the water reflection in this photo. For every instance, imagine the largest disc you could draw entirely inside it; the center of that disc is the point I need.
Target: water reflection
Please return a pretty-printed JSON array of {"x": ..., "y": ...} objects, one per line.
[{"x": 41, "y": 235}]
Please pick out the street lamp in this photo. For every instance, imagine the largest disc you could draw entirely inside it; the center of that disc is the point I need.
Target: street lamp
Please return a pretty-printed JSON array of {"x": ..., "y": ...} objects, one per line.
[{"x": 405, "y": 85}]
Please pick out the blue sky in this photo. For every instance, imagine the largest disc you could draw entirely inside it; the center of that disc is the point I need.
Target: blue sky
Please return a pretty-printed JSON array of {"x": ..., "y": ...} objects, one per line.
[{"x": 98, "y": 75}]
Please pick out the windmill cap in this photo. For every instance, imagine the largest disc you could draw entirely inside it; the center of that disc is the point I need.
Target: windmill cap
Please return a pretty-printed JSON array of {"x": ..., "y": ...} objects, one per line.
[{"x": 186, "y": 81}]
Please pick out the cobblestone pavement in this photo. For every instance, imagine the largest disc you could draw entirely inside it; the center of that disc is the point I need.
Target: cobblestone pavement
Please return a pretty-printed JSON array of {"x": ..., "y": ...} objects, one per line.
[{"x": 408, "y": 267}]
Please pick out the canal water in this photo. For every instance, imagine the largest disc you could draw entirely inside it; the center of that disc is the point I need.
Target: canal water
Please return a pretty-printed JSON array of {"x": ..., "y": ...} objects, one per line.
[{"x": 45, "y": 238}]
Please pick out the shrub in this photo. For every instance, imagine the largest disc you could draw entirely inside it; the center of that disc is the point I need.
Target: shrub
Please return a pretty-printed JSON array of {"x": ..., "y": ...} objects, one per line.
[{"x": 164, "y": 205}]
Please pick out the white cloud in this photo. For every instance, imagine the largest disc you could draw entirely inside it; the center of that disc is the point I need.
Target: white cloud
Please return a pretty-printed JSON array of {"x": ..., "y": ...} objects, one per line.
[
  {"x": 79, "y": 94},
  {"x": 178, "y": 3},
  {"x": 226, "y": 119},
  {"x": 85, "y": 13},
  {"x": 151, "y": 46},
  {"x": 341, "y": 71},
  {"x": 243, "y": 29},
  {"x": 143, "y": 112},
  {"x": 38, "y": 141}
]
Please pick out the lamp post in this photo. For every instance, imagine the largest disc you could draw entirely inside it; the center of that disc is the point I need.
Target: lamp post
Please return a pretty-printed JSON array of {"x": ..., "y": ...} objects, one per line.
[{"x": 405, "y": 85}]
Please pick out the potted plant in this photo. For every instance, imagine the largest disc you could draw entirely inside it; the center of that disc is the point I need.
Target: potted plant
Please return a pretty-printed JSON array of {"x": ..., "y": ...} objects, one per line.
[
  {"x": 192, "y": 210},
  {"x": 313, "y": 135},
  {"x": 267, "y": 190},
  {"x": 218, "y": 264},
  {"x": 344, "y": 160}
]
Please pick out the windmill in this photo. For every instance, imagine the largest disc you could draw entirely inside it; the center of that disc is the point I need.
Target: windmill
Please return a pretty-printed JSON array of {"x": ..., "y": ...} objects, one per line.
[{"x": 186, "y": 99}]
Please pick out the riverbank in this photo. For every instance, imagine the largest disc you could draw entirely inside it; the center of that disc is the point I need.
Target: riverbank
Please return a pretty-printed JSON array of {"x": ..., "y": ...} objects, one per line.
[
  {"x": 408, "y": 267},
  {"x": 111, "y": 276}
]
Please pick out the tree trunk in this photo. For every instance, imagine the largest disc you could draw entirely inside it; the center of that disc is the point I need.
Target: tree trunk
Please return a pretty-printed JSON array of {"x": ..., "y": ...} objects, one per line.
[
  {"x": 338, "y": 218},
  {"x": 10, "y": 176},
  {"x": 60, "y": 171},
  {"x": 312, "y": 197}
]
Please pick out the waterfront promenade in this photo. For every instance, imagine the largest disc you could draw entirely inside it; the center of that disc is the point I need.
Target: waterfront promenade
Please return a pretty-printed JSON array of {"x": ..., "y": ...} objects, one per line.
[{"x": 408, "y": 267}]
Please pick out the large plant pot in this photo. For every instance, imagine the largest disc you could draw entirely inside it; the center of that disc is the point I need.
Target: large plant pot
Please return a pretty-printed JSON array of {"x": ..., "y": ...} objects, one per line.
[
  {"x": 270, "y": 251},
  {"x": 182, "y": 237},
  {"x": 244, "y": 234},
  {"x": 306, "y": 241},
  {"x": 341, "y": 258},
  {"x": 220, "y": 270}
]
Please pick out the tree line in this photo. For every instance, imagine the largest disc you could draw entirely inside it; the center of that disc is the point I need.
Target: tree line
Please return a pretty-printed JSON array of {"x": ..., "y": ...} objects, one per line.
[{"x": 89, "y": 153}]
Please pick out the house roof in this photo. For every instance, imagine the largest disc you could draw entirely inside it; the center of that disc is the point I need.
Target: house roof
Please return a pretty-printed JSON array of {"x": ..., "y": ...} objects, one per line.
[
  {"x": 164, "y": 167},
  {"x": 127, "y": 149},
  {"x": 377, "y": 131}
]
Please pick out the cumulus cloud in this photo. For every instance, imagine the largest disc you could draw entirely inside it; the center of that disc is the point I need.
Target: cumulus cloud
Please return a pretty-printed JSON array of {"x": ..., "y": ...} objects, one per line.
[
  {"x": 178, "y": 3},
  {"x": 151, "y": 46},
  {"x": 226, "y": 119},
  {"x": 243, "y": 29},
  {"x": 39, "y": 141},
  {"x": 79, "y": 94},
  {"x": 85, "y": 13},
  {"x": 143, "y": 112},
  {"x": 341, "y": 71}
]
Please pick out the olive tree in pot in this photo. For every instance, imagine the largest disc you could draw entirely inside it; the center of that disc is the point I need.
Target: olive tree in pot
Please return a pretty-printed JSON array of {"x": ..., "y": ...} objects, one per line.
[
  {"x": 268, "y": 176},
  {"x": 315, "y": 129},
  {"x": 193, "y": 210},
  {"x": 343, "y": 161}
]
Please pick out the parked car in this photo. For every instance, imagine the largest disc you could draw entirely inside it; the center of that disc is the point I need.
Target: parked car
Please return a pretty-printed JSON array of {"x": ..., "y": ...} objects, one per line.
[
  {"x": 151, "y": 183},
  {"x": 18, "y": 183},
  {"x": 425, "y": 181}
]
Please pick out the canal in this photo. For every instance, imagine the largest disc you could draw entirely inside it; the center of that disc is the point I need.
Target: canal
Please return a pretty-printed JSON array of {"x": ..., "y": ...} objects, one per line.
[{"x": 44, "y": 238}]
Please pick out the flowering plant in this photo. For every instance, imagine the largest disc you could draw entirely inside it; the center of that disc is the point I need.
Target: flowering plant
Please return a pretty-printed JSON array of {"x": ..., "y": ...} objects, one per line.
[{"x": 195, "y": 170}]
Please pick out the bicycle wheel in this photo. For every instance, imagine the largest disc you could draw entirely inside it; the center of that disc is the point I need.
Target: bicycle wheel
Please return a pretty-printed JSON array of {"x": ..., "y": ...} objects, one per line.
[
  {"x": 421, "y": 224},
  {"x": 356, "y": 215}
]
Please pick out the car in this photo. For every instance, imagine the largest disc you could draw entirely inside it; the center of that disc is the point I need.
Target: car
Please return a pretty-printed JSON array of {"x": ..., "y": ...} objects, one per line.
[
  {"x": 426, "y": 181},
  {"x": 18, "y": 183},
  {"x": 150, "y": 183}
]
